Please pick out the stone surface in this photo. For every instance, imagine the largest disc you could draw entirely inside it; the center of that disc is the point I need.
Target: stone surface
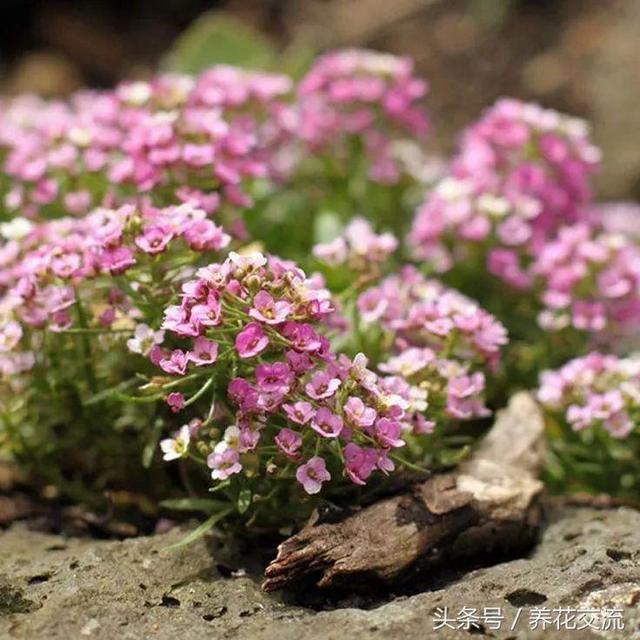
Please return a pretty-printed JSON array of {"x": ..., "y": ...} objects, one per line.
[{"x": 53, "y": 587}]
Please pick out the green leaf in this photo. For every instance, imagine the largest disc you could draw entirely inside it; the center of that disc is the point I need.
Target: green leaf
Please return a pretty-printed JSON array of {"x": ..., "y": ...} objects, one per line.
[
  {"x": 244, "y": 500},
  {"x": 221, "y": 485},
  {"x": 204, "y": 505},
  {"x": 152, "y": 444},
  {"x": 216, "y": 39},
  {"x": 452, "y": 457},
  {"x": 202, "y": 530},
  {"x": 106, "y": 393}
]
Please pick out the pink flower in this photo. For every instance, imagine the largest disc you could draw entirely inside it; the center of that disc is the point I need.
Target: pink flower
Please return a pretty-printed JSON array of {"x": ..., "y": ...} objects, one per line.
[
  {"x": 384, "y": 463},
  {"x": 463, "y": 396},
  {"x": 224, "y": 463},
  {"x": 203, "y": 352},
  {"x": 117, "y": 260},
  {"x": 175, "y": 400},
  {"x": 274, "y": 377},
  {"x": 358, "y": 414},
  {"x": 251, "y": 341},
  {"x": 303, "y": 337},
  {"x": 300, "y": 412},
  {"x": 372, "y": 305},
  {"x": 288, "y": 442},
  {"x": 327, "y": 424},
  {"x": 589, "y": 316},
  {"x": 243, "y": 394},
  {"x": 299, "y": 362},
  {"x": 322, "y": 385},
  {"x": 359, "y": 462},
  {"x": 176, "y": 363},
  {"x": 154, "y": 239},
  {"x": 312, "y": 475},
  {"x": 386, "y": 433},
  {"x": 269, "y": 311},
  {"x": 206, "y": 315},
  {"x": 204, "y": 235}
]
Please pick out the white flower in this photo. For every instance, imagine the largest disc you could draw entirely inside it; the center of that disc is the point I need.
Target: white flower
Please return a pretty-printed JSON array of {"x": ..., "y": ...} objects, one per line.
[
  {"x": 174, "y": 448},
  {"x": 135, "y": 93},
  {"x": 10, "y": 335},
  {"x": 493, "y": 205},
  {"x": 252, "y": 260},
  {"x": 79, "y": 136},
  {"x": 144, "y": 339},
  {"x": 232, "y": 436},
  {"x": 454, "y": 188},
  {"x": 16, "y": 229}
]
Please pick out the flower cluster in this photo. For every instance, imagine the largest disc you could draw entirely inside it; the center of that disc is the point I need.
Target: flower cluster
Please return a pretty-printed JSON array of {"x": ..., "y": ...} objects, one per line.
[
  {"x": 596, "y": 390},
  {"x": 200, "y": 140},
  {"x": 359, "y": 248},
  {"x": 45, "y": 269},
  {"x": 593, "y": 410},
  {"x": 289, "y": 390},
  {"x": 616, "y": 217},
  {"x": 438, "y": 333},
  {"x": 589, "y": 281},
  {"x": 520, "y": 173},
  {"x": 175, "y": 138},
  {"x": 365, "y": 95}
]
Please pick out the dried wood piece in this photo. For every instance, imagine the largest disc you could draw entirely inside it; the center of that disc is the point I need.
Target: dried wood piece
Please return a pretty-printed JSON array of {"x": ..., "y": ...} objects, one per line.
[{"x": 489, "y": 504}]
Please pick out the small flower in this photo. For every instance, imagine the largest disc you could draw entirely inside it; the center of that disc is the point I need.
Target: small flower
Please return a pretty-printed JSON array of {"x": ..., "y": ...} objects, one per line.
[
  {"x": 358, "y": 414},
  {"x": 359, "y": 462},
  {"x": 204, "y": 235},
  {"x": 231, "y": 437},
  {"x": 204, "y": 352},
  {"x": 288, "y": 442},
  {"x": 322, "y": 385},
  {"x": 251, "y": 341},
  {"x": 117, "y": 260},
  {"x": 269, "y": 311},
  {"x": 312, "y": 475},
  {"x": 178, "y": 446},
  {"x": 386, "y": 433},
  {"x": 303, "y": 337},
  {"x": 154, "y": 239},
  {"x": 299, "y": 362},
  {"x": 327, "y": 424},
  {"x": 144, "y": 338},
  {"x": 300, "y": 412},
  {"x": 248, "y": 261},
  {"x": 175, "y": 400},
  {"x": 176, "y": 363},
  {"x": 10, "y": 334},
  {"x": 274, "y": 377},
  {"x": 224, "y": 463}
]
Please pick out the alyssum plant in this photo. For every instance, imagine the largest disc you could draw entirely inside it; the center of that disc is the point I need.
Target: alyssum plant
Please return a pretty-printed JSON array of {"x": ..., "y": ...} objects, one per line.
[{"x": 150, "y": 304}]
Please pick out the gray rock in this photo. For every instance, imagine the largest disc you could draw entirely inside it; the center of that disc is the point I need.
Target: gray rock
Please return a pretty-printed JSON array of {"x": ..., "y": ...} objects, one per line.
[{"x": 53, "y": 587}]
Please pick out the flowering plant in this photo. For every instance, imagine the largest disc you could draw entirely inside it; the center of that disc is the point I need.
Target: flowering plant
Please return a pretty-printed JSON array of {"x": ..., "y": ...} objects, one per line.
[
  {"x": 144, "y": 313},
  {"x": 593, "y": 408},
  {"x": 300, "y": 415}
]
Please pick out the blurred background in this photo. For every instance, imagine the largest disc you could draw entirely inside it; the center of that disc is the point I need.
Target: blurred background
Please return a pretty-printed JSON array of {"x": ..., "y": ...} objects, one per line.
[{"x": 579, "y": 56}]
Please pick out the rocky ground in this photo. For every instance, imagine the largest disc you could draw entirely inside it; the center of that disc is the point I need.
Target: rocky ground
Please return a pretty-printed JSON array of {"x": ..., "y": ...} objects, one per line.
[{"x": 53, "y": 587}]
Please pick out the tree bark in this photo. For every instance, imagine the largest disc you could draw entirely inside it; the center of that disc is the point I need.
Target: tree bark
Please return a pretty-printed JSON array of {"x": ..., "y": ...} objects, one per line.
[{"x": 487, "y": 505}]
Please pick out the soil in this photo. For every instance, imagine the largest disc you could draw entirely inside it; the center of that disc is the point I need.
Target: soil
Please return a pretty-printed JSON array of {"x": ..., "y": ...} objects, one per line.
[{"x": 58, "y": 587}]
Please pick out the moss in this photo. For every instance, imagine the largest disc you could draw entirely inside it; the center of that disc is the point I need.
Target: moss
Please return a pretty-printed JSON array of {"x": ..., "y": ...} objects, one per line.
[{"x": 12, "y": 601}]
